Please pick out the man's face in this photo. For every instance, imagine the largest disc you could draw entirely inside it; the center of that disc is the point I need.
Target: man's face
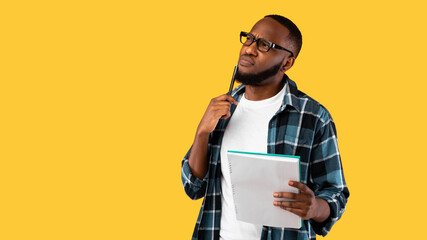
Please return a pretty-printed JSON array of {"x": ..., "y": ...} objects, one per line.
[{"x": 255, "y": 67}]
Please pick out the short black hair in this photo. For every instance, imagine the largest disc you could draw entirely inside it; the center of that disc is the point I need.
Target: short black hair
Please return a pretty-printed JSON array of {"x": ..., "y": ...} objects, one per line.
[{"x": 295, "y": 37}]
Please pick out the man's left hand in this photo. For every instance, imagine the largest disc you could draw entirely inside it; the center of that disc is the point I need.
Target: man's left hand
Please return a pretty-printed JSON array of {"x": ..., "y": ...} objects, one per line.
[{"x": 306, "y": 205}]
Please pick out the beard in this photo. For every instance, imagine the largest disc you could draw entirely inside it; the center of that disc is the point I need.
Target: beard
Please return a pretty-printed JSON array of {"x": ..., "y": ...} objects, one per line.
[{"x": 256, "y": 79}]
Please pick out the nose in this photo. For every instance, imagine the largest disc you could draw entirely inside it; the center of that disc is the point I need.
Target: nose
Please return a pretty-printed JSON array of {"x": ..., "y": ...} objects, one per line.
[{"x": 252, "y": 49}]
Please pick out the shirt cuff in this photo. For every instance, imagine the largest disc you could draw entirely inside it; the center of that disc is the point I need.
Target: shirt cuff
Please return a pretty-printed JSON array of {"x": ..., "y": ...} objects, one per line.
[
  {"x": 324, "y": 227},
  {"x": 191, "y": 179}
]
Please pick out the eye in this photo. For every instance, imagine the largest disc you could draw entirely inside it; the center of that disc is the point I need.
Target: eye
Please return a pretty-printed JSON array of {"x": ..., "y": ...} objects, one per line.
[{"x": 265, "y": 45}]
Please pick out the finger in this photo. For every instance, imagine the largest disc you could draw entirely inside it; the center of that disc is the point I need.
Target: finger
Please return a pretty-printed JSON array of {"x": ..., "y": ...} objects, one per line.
[
  {"x": 233, "y": 100},
  {"x": 304, "y": 198},
  {"x": 221, "y": 108},
  {"x": 289, "y": 204},
  {"x": 221, "y": 103},
  {"x": 228, "y": 98},
  {"x": 224, "y": 113},
  {"x": 288, "y": 195},
  {"x": 298, "y": 212},
  {"x": 226, "y": 116},
  {"x": 300, "y": 186}
]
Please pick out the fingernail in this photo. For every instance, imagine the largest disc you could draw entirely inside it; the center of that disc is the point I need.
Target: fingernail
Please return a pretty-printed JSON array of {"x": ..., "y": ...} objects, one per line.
[
  {"x": 276, "y": 194},
  {"x": 276, "y": 203}
]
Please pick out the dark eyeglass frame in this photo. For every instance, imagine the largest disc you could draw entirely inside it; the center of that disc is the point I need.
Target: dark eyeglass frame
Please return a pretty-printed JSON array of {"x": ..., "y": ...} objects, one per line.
[{"x": 271, "y": 45}]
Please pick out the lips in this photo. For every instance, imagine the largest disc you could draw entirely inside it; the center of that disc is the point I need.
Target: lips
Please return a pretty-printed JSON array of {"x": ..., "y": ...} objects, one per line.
[{"x": 246, "y": 61}]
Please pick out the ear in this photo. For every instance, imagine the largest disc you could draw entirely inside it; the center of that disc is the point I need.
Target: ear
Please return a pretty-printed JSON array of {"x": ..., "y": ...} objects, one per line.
[{"x": 287, "y": 64}]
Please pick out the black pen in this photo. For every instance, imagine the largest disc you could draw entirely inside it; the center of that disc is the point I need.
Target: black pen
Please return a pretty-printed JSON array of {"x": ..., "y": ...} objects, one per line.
[{"x": 232, "y": 79}]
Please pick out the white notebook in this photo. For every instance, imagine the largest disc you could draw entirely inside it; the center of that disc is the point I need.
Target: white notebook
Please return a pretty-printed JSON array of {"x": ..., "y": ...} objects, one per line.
[{"x": 254, "y": 179}]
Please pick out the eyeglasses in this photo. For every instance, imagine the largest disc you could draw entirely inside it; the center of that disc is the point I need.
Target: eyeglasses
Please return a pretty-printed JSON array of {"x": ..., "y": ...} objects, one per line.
[{"x": 262, "y": 44}]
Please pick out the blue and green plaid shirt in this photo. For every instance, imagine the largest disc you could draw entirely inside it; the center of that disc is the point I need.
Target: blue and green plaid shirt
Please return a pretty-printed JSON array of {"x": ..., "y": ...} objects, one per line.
[{"x": 301, "y": 127}]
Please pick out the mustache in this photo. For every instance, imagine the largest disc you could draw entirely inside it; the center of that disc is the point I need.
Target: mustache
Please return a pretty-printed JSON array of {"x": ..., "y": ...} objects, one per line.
[{"x": 247, "y": 58}]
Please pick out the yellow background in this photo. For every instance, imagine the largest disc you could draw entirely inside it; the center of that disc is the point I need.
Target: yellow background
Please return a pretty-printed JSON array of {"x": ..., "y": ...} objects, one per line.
[{"x": 100, "y": 100}]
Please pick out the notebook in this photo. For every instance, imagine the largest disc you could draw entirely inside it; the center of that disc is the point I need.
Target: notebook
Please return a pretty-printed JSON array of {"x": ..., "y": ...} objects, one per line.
[{"x": 254, "y": 179}]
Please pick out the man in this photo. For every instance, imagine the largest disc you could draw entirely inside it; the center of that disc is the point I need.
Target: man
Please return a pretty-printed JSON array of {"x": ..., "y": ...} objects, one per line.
[{"x": 267, "y": 113}]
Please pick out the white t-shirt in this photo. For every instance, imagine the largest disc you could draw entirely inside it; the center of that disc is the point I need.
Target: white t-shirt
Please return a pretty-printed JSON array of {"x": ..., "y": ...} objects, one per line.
[{"x": 246, "y": 131}]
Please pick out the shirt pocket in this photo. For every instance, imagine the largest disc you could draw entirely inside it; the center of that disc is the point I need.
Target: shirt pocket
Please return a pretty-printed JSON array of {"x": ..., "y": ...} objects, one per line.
[{"x": 295, "y": 136}]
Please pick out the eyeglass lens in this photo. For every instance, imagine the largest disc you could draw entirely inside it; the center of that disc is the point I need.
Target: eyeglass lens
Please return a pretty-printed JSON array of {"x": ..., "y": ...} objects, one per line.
[{"x": 262, "y": 44}]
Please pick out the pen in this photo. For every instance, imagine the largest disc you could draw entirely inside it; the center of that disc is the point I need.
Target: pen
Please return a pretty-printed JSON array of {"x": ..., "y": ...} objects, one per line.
[{"x": 232, "y": 79}]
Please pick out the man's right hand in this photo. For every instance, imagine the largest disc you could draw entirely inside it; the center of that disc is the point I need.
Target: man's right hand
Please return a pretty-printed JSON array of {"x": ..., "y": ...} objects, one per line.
[{"x": 218, "y": 108}]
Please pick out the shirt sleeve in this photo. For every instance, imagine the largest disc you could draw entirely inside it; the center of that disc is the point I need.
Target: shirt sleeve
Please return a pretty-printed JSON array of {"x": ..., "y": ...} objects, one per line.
[
  {"x": 194, "y": 187},
  {"x": 326, "y": 173}
]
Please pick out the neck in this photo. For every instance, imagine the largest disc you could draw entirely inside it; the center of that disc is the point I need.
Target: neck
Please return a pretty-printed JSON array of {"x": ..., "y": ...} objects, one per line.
[{"x": 268, "y": 90}]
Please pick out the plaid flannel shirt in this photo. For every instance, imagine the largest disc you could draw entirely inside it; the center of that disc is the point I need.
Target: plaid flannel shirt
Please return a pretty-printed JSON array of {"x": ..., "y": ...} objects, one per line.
[{"x": 301, "y": 127}]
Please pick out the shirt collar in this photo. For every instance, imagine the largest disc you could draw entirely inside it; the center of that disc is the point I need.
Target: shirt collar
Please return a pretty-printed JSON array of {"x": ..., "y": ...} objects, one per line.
[{"x": 291, "y": 94}]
